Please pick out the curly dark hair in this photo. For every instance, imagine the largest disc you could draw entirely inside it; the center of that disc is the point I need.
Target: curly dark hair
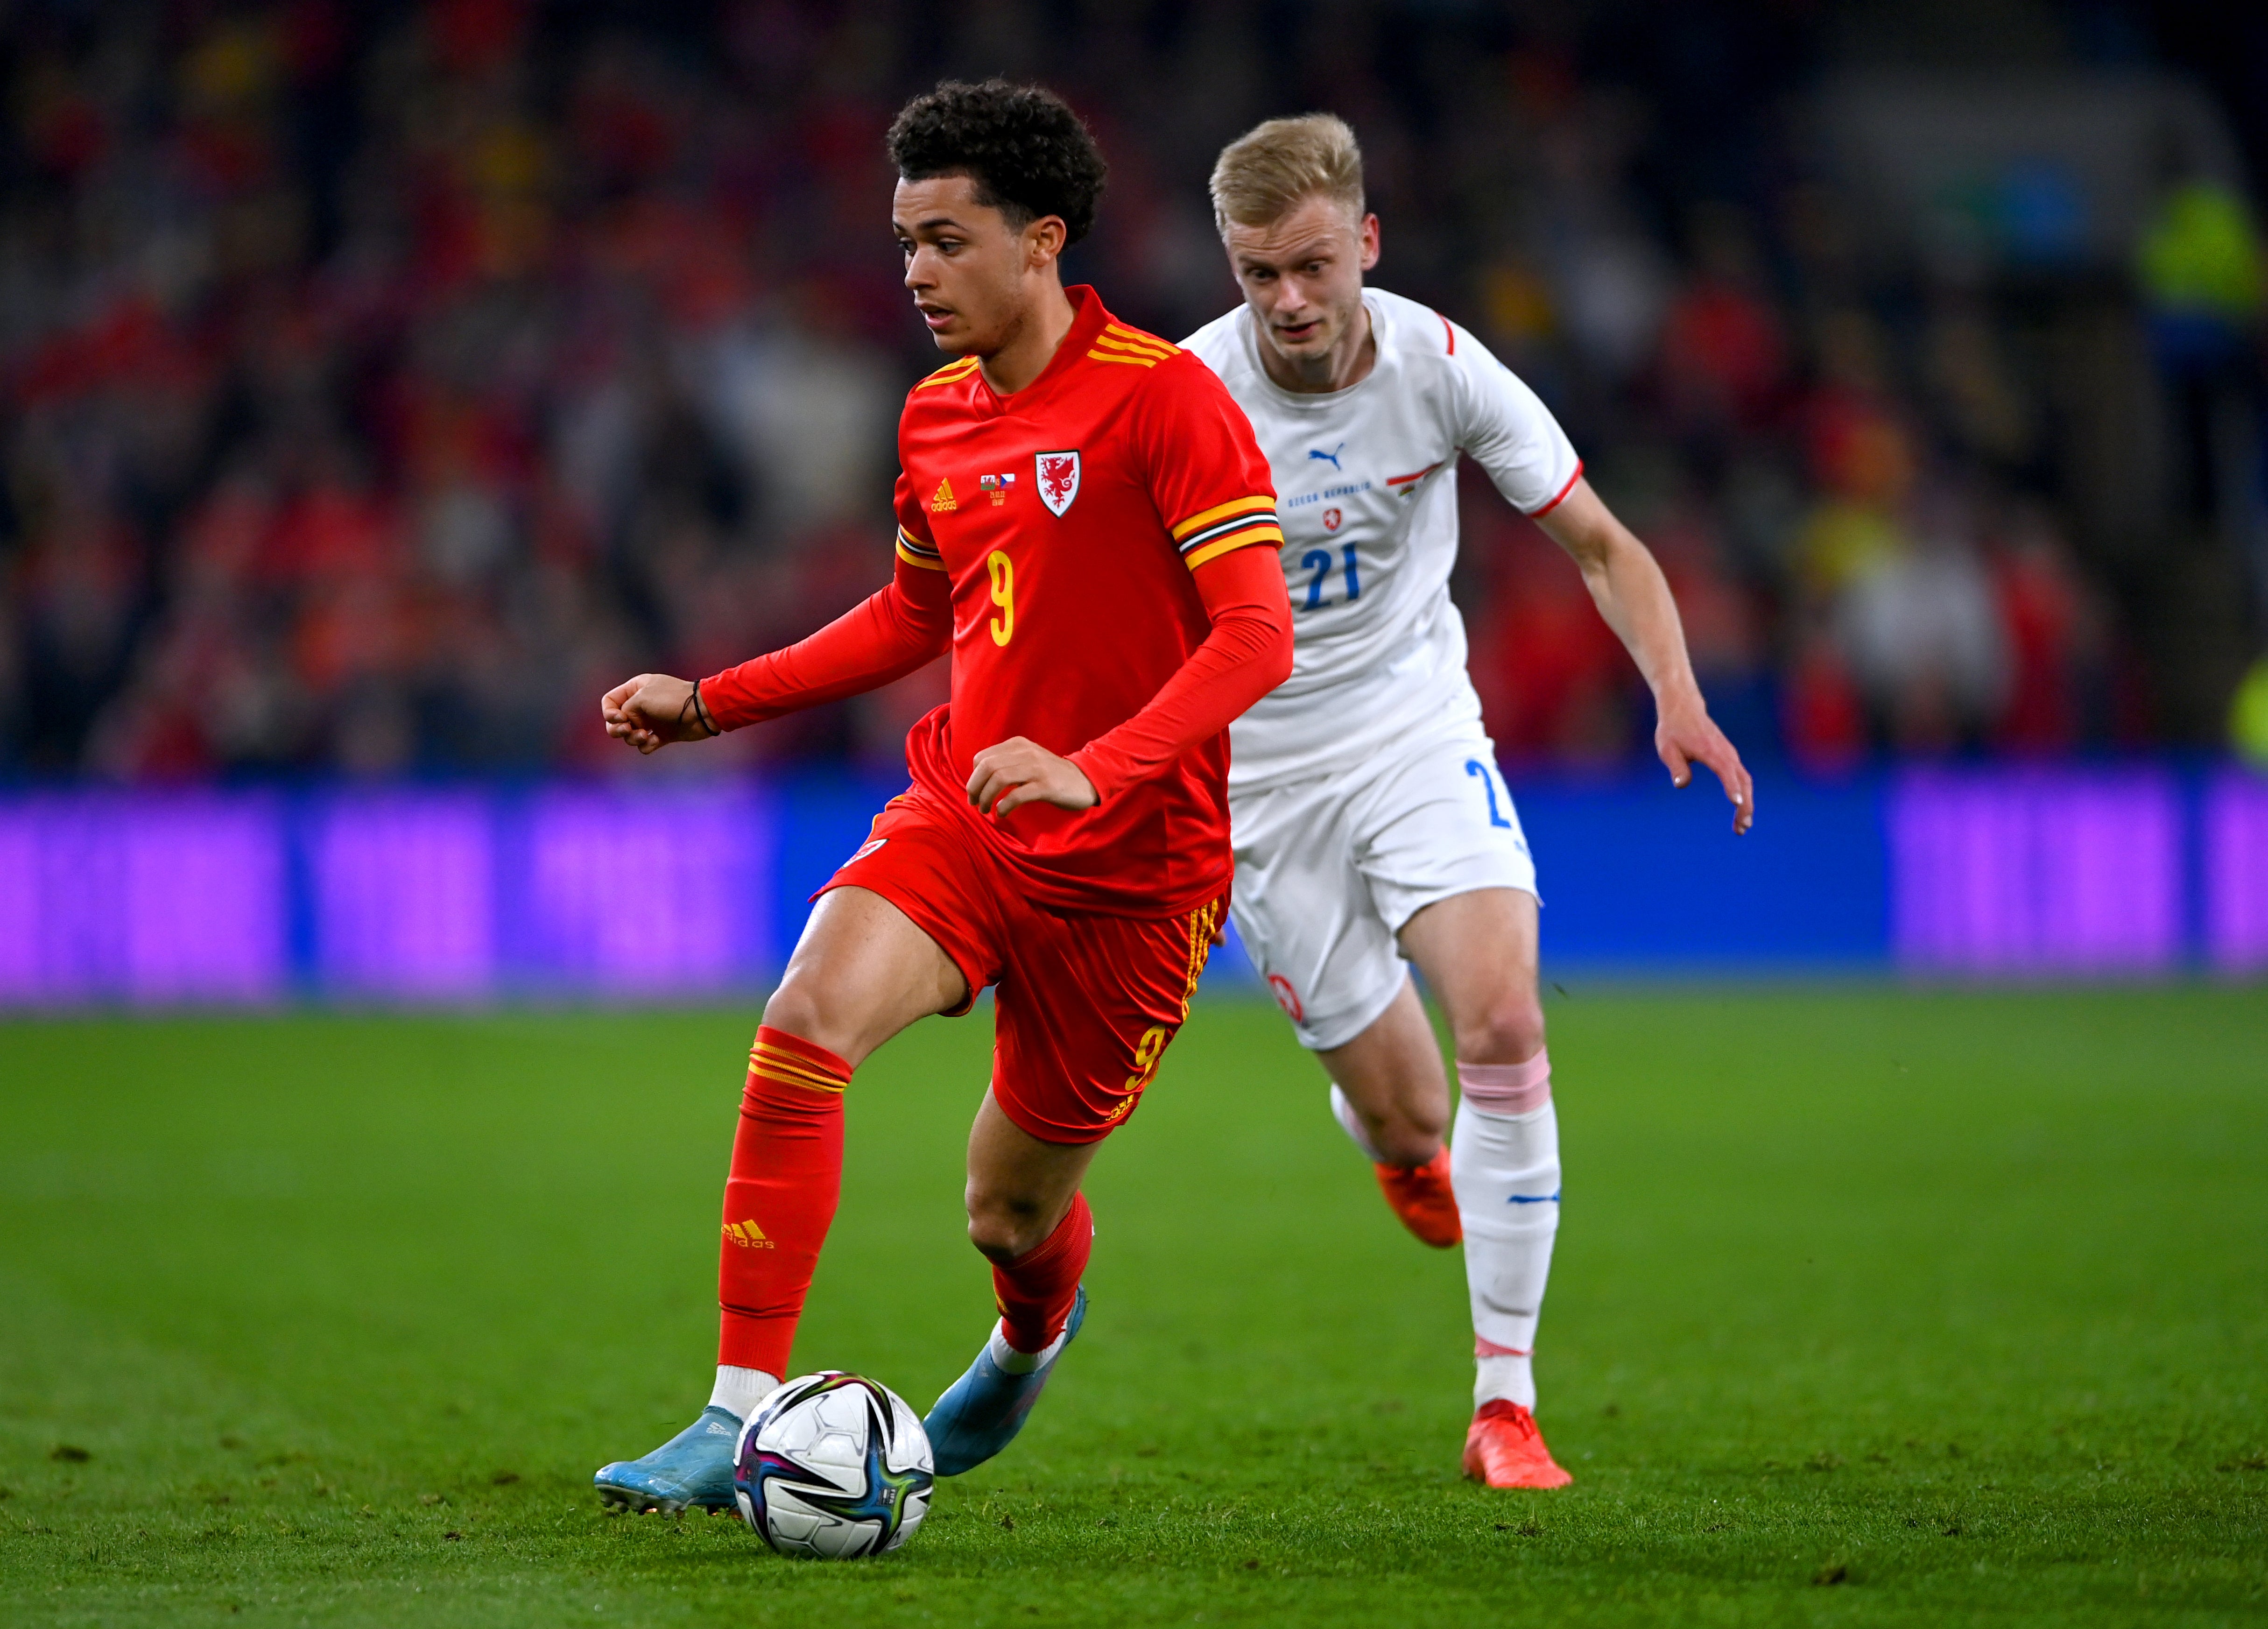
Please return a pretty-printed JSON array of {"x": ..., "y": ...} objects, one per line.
[{"x": 1027, "y": 152}]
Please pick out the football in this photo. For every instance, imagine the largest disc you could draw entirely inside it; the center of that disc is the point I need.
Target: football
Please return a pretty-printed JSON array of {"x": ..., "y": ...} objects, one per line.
[{"x": 833, "y": 1466}]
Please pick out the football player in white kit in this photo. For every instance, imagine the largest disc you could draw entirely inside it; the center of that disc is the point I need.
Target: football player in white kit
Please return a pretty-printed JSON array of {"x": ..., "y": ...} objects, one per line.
[{"x": 1369, "y": 819}]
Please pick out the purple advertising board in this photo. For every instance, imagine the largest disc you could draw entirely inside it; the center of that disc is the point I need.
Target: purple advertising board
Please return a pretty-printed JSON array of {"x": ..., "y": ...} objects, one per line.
[
  {"x": 682, "y": 891},
  {"x": 111, "y": 896},
  {"x": 2037, "y": 872},
  {"x": 2235, "y": 868},
  {"x": 385, "y": 895},
  {"x": 404, "y": 894},
  {"x": 645, "y": 894}
]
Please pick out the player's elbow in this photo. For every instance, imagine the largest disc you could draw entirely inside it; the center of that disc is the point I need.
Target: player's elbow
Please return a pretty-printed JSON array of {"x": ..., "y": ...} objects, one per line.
[
  {"x": 1258, "y": 639},
  {"x": 1275, "y": 662}
]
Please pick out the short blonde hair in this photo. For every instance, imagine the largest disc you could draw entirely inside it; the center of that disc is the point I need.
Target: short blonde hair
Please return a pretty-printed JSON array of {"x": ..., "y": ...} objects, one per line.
[{"x": 1262, "y": 174}]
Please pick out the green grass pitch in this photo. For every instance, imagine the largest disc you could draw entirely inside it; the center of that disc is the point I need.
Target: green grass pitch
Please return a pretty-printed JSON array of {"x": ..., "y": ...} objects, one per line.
[{"x": 1871, "y": 1306}]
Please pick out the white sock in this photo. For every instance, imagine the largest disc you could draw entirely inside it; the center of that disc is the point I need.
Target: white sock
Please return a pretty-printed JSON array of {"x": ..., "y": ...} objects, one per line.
[
  {"x": 1350, "y": 1123},
  {"x": 739, "y": 1391},
  {"x": 1505, "y": 1171},
  {"x": 1008, "y": 1360}
]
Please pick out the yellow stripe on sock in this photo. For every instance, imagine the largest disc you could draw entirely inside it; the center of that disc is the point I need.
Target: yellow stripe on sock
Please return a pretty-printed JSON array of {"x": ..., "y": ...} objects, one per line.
[
  {"x": 772, "y": 1057},
  {"x": 775, "y": 1065}
]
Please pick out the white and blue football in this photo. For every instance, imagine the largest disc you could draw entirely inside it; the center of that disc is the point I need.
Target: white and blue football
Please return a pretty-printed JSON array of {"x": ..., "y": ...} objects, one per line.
[{"x": 833, "y": 1466}]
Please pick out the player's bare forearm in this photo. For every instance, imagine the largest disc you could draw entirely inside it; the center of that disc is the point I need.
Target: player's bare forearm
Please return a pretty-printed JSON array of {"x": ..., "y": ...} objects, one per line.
[
  {"x": 1627, "y": 585},
  {"x": 653, "y": 709},
  {"x": 1004, "y": 778}
]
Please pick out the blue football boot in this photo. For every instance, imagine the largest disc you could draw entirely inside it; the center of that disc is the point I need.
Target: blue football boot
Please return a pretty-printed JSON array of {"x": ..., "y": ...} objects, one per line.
[
  {"x": 981, "y": 1412},
  {"x": 695, "y": 1467}
]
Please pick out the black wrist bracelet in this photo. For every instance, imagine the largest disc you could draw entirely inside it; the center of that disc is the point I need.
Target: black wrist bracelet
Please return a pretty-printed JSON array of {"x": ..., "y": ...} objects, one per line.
[{"x": 701, "y": 711}]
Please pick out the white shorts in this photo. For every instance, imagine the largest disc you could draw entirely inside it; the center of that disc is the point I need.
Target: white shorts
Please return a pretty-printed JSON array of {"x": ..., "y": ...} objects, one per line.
[{"x": 1328, "y": 871}]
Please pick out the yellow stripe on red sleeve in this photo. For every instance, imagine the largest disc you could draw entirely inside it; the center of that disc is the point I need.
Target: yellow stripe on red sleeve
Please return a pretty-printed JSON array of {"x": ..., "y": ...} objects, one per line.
[
  {"x": 1205, "y": 519},
  {"x": 1240, "y": 535},
  {"x": 913, "y": 552}
]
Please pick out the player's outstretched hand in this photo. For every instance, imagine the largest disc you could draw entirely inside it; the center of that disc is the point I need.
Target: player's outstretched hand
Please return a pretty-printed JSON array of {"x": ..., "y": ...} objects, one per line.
[
  {"x": 1018, "y": 771},
  {"x": 1687, "y": 736},
  {"x": 653, "y": 709}
]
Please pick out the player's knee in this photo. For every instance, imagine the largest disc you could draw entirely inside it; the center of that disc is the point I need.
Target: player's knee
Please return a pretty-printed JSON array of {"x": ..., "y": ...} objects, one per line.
[
  {"x": 797, "y": 1007},
  {"x": 1508, "y": 1030},
  {"x": 1410, "y": 1132},
  {"x": 1003, "y": 1227}
]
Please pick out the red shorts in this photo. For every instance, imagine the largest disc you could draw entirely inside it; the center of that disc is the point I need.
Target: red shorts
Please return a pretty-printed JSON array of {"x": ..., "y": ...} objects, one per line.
[{"x": 1083, "y": 1004}]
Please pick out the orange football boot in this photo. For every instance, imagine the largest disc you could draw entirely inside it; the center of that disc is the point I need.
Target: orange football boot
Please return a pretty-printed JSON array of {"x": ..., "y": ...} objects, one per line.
[
  {"x": 1422, "y": 1198},
  {"x": 1505, "y": 1449}
]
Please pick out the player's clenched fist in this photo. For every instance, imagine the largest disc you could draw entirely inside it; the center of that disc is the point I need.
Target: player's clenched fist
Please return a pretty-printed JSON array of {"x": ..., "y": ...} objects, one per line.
[
  {"x": 1019, "y": 771},
  {"x": 653, "y": 709}
]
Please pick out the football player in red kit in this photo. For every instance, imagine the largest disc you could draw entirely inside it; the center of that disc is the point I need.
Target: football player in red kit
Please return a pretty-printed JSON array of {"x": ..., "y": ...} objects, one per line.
[{"x": 1085, "y": 523}]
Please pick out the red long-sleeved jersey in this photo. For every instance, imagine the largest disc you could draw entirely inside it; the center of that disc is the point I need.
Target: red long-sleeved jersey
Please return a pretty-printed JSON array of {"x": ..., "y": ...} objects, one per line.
[{"x": 1084, "y": 547}]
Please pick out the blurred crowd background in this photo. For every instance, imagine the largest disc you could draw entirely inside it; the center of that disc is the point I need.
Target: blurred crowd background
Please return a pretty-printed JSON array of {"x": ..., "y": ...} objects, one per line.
[{"x": 377, "y": 385}]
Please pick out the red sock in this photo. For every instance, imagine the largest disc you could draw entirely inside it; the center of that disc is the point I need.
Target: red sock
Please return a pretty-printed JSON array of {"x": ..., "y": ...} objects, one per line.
[
  {"x": 787, "y": 1174},
  {"x": 1035, "y": 1291}
]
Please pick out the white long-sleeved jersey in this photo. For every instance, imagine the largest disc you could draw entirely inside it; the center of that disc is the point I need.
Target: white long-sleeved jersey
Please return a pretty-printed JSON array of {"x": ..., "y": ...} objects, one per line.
[{"x": 1366, "y": 491}]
